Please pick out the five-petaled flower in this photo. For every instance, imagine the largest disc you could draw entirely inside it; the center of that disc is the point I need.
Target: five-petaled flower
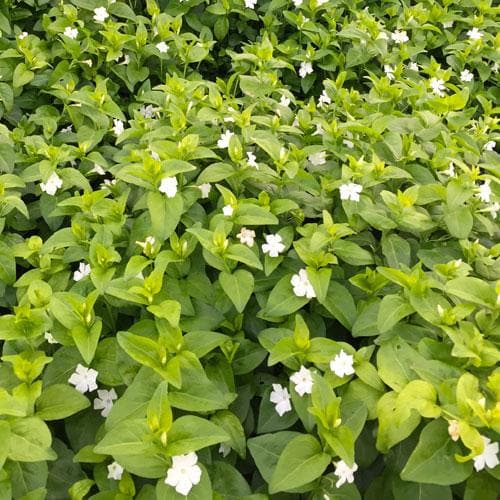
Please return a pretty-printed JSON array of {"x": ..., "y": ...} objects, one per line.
[
  {"x": 488, "y": 458},
  {"x": 281, "y": 399},
  {"x": 273, "y": 245},
  {"x": 342, "y": 364},
  {"x": 302, "y": 286},
  {"x": 252, "y": 160},
  {"x": 54, "y": 182},
  {"x": 70, "y": 32},
  {"x": 399, "y": 37},
  {"x": 184, "y": 473},
  {"x": 305, "y": 69},
  {"x": 246, "y": 236},
  {"x": 485, "y": 191},
  {"x": 303, "y": 381},
  {"x": 82, "y": 271},
  {"x": 168, "y": 186},
  {"x": 100, "y": 14},
  {"x": 474, "y": 34},
  {"x": 162, "y": 47},
  {"x": 250, "y": 4},
  {"x": 205, "y": 189},
  {"x": 318, "y": 158},
  {"x": 224, "y": 139},
  {"x": 344, "y": 473},
  {"x": 466, "y": 76},
  {"x": 104, "y": 401},
  {"x": 437, "y": 86},
  {"x": 227, "y": 210},
  {"x": 118, "y": 127},
  {"x": 490, "y": 146},
  {"x": 115, "y": 471},
  {"x": 84, "y": 379},
  {"x": 350, "y": 191}
]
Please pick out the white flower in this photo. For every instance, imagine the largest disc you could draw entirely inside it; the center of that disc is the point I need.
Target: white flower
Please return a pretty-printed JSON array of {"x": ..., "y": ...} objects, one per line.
[
  {"x": 273, "y": 245},
  {"x": 321, "y": 2},
  {"x": 350, "y": 191},
  {"x": 224, "y": 449},
  {"x": 117, "y": 127},
  {"x": 246, "y": 236},
  {"x": 450, "y": 171},
  {"x": 281, "y": 398},
  {"x": 83, "y": 270},
  {"x": 70, "y": 32},
  {"x": 225, "y": 137},
  {"x": 88, "y": 62},
  {"x": 493, "y": 209},
  {"x": 317, "y": 158},
  {"x": 54, "y": 182},
  {"x": 302, "y": 286},
  {"x": 348, "y": 143},
  {"x": 389, "y": 71},
  {"x": 49, "y": 338},
  {"x": 115, "y": 471},
  {"x": 437, "y": 86},
  {"x": 323, "y": 99},
  {"x": 344, "y": 473},
  {"x": 100, "y": 14},
  {"x": 168, "y": 186},
  {"x": 474, "y": 34},
  {"x": 67, "y": 130},
  {"x": 98, "y": 169},
  {"x": 162, "y": 47},
  {"x": 205, "y": 189},
  {"x": 105, "y": 401},
  {"x": 227, "y": 210},
  {"x": 23, "y": 35},
  {"x": 448, "y": 24},
  {"x": 490, "y": 146},
  {"x": 413, "y": 66},
  {"x": 297, "y": 3},
  {"x": 319, "y": 129},
  {"x": 453, "y": 429},
  {"x": 250, "y": 4},
  {"x": 184, "y": 473},
  {"x": 399, "y": 36},
  {"x": 341, "y": 364},
  {"x": 126, "y": 59},
  {"x": 284, "y": 101},
  {"x": 148, "y": 112},
  {"x": 303, "y": 381},
  {"x": 150, "y": 240},
  {"x": 84, "y": 379},
  {"x": 485, "y": 191},
  {"x": 155, "y": 156},
  {"x": 252, "y": 160},
  {"x": 305, "y": 69},
  {"x": 466, "y": 76},
  {"x": 495, "y": 67},
  {"x": 488, "y": 457}
]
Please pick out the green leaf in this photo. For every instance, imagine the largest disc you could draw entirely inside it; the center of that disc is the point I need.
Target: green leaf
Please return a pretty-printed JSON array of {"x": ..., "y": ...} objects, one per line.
[
  {"x": 248, "y": 214},
  {"x": 282, "y": 301},
  {"x": 394, "y": 359},
  {"x": 232, "y": 425},
  {"x": 419, "y": 491},
  {"x": 22, "y": 76},
  {"x": 30, "y": 441},
  {"x": 340, "y": 304},
  {"x": 433, "y": 459},
  {"x": 191, "y": 433},
  {"x": 159, "y": 412},
  {"x": 459, "y": 221},
  {"x": 238, "y": 287},
  {"x": 4, "y": 438},
  {"x": 396, "y": 250},
  {"x": 129, "y": 437},
  {"x": 165, "y": 213},
  {"x": 300, "y": 462},
  {"x": 393, "y": 308},
  {"x": 266, "y": 450},
  {"x": 60, "y": 401},
  {"x": 241, "y": 253},
  {"x": 472, "y": 290},
  {"x": 87, "y": 339}
]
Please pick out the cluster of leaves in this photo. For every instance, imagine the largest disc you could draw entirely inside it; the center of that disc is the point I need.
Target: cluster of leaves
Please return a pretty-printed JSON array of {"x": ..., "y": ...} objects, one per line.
[{"x": 266, "y": 232}]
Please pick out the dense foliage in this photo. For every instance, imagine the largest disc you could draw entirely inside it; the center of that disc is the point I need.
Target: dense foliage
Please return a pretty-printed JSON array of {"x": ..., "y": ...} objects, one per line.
[{"x": 249, "y": 249}]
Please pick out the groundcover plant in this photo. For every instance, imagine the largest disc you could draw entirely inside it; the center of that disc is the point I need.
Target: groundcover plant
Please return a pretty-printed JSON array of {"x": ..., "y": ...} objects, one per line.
[{"x": 249, "y": 249}]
